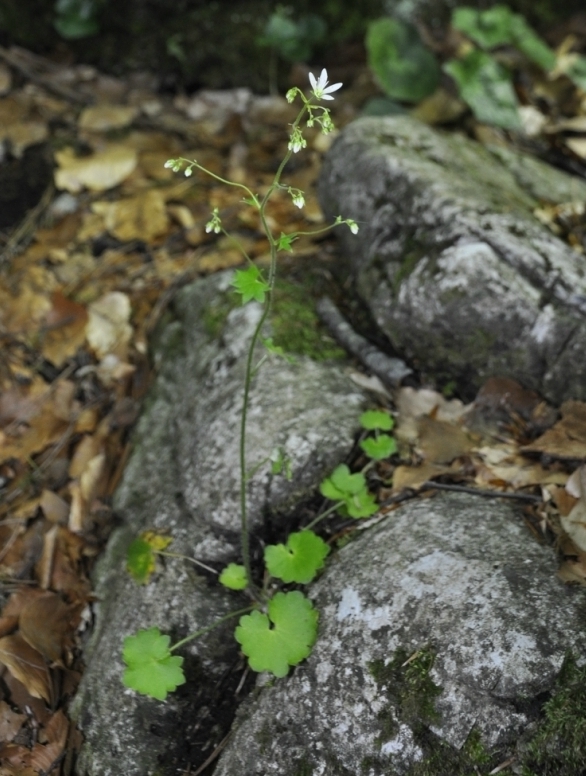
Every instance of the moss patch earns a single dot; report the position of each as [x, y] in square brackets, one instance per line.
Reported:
[411, 691]
[412, 694]
[558, 748]
[216, 312]
[296, 327]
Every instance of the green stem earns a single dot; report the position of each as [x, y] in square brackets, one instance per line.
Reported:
[245, 542]
[320, 517]
[186, 557]
[218, 177]
[209, 628]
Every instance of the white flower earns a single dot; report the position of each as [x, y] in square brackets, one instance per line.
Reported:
[353, 226]
[298, 199]
[297, 141]
[320, 88]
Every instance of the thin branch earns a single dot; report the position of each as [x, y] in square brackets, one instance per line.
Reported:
[390, 370]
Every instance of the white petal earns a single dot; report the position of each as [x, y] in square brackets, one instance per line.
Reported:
[312, 81]
[332, 88]
[326, 97]
[323, 79]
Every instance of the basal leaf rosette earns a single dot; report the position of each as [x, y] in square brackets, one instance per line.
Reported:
[350, 489]
[152, 669]
[281, 638]
[299, 560]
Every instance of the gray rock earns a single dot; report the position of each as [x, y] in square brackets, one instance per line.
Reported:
[182, 478]
[456, 269]
[454, 582]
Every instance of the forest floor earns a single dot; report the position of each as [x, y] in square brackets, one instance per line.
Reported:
[100, 236]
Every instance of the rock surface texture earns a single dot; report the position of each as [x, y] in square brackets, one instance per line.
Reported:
[454, 586]
[454, 265]
[183, 479]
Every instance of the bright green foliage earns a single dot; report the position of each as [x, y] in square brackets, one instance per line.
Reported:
[280, 461]
[361, 504]
[403, 67]
[294, 41]
[351, 489]
[486, 86]
[287, 642]
[375, 419]
[152, 669]
[277, 350]
[141, 558]
[299, 560]
[76, 18]
[498, 26]
[342, 483]
[380, 447]
[234, 577]
[285, 242]
[250, 284]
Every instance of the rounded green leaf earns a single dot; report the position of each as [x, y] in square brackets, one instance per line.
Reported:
[234, 577]
[140, 560]
[152, 669]
[287, 642]
[380, 447]
[361, 504]
[343, 480]
[299, 560]
[404, 68]
[487, 88]
[376, 419]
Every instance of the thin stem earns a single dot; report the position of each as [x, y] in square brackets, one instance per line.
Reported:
[238, 245]
[187, 557]
[320, 517]
[243, 475]
[219, 177]
[209, 628]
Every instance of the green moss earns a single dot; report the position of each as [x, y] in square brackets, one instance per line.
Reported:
[296, 327]
[412, 694]
[558, 748]
[445, 760]
[264, 737]
[215, 314]
[303, 768]
[411, 691]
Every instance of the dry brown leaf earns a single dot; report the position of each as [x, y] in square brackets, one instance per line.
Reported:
[441, 442]
[415, 476]
[567, 439]
[99, 172]
[54, 507]
[23, 134]
[27, 666]
[10, 722]
[65, 326]
[108, 329]
[574, 524]
[87, 449]
[143, 217]
[577, 145]
[53, 740]
[46, 623]
[104, 117]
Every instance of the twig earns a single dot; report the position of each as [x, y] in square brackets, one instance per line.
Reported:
[390, 370]
[17, 57]
[25, 231]
[213, 755]
[482, 492]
